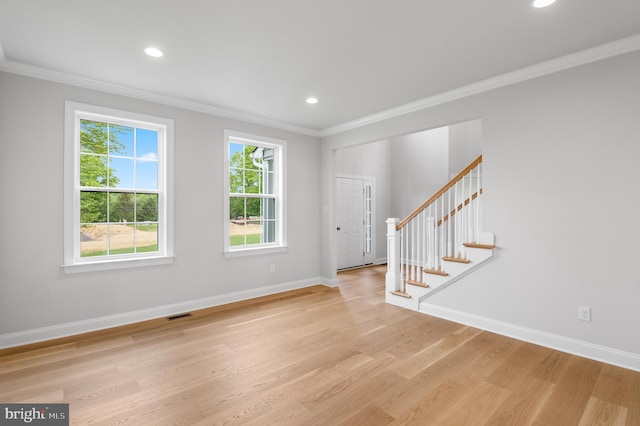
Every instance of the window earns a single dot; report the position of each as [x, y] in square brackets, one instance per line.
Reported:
[254, 193]
[118, 210]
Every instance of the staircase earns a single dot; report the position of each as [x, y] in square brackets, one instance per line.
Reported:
[439, 242]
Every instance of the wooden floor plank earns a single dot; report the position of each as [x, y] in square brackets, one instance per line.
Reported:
[524, 404]
[599, 412]
[325, 356]
[474, 408]
[571, 393]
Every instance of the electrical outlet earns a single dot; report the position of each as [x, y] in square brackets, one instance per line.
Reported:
[272, 268]
[584, 313]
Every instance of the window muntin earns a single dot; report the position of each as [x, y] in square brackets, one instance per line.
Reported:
[117, 174]
[254, 192]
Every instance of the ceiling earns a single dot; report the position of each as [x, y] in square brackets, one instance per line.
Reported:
[264, 58]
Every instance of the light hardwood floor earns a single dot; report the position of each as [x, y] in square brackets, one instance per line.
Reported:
[316, 356]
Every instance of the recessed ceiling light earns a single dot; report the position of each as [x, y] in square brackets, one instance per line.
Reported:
[155, 52]
[312, 101]
[543, 3]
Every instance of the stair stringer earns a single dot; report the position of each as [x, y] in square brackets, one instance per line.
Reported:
[478, 257]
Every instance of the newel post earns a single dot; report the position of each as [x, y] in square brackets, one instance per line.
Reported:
[393, 278]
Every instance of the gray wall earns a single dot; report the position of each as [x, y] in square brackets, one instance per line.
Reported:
[372, 160]
[35, 292]
[420, 167]
[465, 145]
[560, 152]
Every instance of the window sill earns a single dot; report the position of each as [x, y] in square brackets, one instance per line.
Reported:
[111, 264]
[255, 251]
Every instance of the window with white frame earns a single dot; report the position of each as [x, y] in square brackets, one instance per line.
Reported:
[118, 180]
[254, 193]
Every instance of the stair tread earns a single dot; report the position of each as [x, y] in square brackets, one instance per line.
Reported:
[401, 294]
[417, 283]
[435, 272]
[456, 259]
[478, 245]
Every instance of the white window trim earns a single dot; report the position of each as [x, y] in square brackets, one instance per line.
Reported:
[281, 196]
[72, 261]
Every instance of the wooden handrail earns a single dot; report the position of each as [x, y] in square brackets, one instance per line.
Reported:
[437, 195]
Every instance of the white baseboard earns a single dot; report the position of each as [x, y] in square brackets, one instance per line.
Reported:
[380, 261]
[330, 282]
[593, 351]
[94, 324]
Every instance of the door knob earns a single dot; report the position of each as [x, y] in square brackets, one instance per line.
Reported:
[338, 228]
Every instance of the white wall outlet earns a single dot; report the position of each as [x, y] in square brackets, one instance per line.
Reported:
[272, 268]
[584, 313]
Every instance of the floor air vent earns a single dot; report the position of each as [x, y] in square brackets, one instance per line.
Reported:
[178, 316]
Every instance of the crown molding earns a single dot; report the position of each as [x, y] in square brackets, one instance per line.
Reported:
[87, 83]
[604, 51]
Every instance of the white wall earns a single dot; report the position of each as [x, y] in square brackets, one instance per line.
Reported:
[372, 160]
[560, 152]
[465, 145]
[35, 292]
[420, 167]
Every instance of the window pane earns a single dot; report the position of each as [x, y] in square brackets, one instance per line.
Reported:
[146, 237]
[146, 208]
[121, 238]
[253, 231]
[269, 208]
[269, 231]
[146, 174]
[236, 179]
[121, 140]
[146, 144]
[93, 207]
[237, 231]
[121, 173]
[236, 208]
[121, 207]
[93, 240]
[268, 187]
[252, 157]
[93, 170]
[253, 181]
[93, 137]
[254, 210]
[236, 159]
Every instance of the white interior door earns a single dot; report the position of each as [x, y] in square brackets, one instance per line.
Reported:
[350, 213]
[354, 222]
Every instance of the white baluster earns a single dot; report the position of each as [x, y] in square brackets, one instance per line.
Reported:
[406, 254]
[456, 228]
[478, 187]
[423, 248]
[402, 254]
[449, 227]
[414, 240]
[431, 230]
[469, 223]
[418, 248]
[434, 254]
